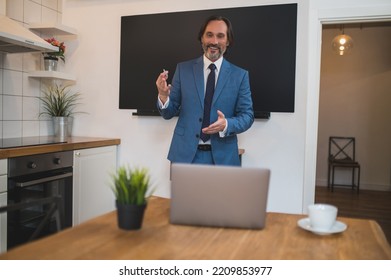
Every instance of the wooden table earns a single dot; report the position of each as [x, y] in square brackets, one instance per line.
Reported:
[100, 238]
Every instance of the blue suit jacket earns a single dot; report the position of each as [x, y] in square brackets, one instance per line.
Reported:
[232, 97]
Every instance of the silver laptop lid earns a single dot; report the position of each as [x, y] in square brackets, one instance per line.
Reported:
[219, 196]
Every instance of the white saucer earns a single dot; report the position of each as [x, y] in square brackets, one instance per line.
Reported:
[336, 228]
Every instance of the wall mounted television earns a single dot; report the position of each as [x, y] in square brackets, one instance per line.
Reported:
[265, 45]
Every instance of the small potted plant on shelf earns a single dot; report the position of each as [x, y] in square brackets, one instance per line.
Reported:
[59, 102]
[131, 188]
[51, 58]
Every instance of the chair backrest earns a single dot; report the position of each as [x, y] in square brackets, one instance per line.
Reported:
[342, 149]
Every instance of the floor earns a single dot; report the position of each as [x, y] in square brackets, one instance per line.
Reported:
[367, 204]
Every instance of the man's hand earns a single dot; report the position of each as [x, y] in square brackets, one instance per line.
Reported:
[217, 126]
[162, 87]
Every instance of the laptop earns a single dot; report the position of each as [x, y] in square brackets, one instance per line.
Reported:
[219, 196]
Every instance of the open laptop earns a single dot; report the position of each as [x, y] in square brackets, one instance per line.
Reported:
[219, 196]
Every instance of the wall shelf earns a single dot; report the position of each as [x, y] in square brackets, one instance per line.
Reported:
[57, 29]
[52, 75]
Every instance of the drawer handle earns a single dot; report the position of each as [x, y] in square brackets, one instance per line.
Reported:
[43, 180]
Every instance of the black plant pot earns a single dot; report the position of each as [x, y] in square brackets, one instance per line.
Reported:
[130, 217]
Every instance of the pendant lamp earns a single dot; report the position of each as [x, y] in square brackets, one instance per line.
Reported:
[342, 44]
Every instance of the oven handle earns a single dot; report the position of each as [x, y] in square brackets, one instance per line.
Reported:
[43, 180]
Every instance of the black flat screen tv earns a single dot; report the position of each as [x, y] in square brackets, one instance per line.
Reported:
[265, 45]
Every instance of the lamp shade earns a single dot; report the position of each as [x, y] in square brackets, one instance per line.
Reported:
[342, 44]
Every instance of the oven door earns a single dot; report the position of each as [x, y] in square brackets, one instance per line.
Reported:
[3, 202]
[22, 223]
[3, 223]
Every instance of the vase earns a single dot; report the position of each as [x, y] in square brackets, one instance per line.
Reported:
[50, 63]
[130, 216]
[62, 127]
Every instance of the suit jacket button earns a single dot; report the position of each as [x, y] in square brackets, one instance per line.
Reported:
[197, 136]
[200, 119]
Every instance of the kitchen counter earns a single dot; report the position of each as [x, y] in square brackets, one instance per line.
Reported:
[72, 143]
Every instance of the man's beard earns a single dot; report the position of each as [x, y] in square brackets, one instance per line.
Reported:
[213, 56]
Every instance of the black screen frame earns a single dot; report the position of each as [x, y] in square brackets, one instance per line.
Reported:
[265, 45]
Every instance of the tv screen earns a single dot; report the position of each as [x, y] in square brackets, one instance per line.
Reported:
[264, 44]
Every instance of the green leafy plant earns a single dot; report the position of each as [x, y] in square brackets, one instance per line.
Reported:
[59, 101]
[131, 186]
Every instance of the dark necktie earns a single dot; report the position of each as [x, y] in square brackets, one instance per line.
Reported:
[210, 89]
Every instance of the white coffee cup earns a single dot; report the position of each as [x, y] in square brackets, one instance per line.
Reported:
[322, 216]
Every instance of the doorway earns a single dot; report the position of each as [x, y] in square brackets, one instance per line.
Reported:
[354, 100]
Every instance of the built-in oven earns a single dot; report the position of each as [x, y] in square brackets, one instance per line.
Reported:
[32, 178]
[3, 202]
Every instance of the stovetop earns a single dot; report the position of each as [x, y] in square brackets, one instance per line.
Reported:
[28, 141]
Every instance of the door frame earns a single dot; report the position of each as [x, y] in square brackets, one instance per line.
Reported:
[318, 17]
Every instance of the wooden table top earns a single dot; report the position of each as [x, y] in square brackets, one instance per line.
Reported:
[101, 239]
[72, 143]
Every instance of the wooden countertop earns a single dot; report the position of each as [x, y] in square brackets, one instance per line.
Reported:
[281, 239]
[72, 143]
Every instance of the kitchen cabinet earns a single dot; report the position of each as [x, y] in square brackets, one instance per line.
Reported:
[92, 194]
[3, 202]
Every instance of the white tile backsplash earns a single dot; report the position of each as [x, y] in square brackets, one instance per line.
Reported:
[30, 128]
[32, 12]
[48, 15]
[46, 127]
[14, 9]
[12, 129]
[19, 103]
[32, 61]
[52, 4]
[1, 107]
[30, 109]
[12, 108]
[59, 17]
[13, 61]
[1, 81]
[59, 6]
[31, 86]
[12, 82]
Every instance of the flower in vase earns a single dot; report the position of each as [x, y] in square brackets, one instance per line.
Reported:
[61, 49]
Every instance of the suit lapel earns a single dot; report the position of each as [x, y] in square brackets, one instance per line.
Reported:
[198, 71]
[222, 79]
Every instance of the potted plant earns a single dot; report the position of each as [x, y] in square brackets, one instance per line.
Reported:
[131, 188]
[59, 102]
[51, 58]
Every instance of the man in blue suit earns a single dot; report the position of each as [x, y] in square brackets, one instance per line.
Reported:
[197, 139]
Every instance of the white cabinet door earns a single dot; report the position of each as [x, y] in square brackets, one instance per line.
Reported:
[92, 194]
[3, 224]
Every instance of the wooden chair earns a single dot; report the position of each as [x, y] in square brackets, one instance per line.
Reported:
[342, 155]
